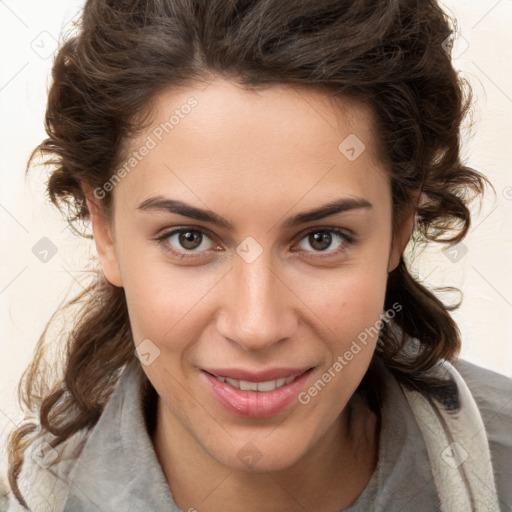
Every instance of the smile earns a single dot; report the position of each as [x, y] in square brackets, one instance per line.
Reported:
[256, 399]
[268, 385]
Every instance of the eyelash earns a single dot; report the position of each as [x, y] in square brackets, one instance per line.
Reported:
[347, 241]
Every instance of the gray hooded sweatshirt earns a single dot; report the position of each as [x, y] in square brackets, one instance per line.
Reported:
[114, 468]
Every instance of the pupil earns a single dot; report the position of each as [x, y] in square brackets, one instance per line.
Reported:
[188, 239]
[321, 240]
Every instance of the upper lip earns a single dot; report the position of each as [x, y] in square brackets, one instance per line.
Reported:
[260, 376]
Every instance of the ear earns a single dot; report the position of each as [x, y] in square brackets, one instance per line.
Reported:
[403, 233]
[103, 238]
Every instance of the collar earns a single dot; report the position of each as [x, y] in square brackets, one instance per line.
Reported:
[118, 465]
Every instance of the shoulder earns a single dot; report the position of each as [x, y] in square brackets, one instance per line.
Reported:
[492, 392]
[46, 473]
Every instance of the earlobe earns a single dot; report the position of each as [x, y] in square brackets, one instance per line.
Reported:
[400, 241]
[403, 234]
[104, 240]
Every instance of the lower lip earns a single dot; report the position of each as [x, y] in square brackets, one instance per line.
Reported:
[256, 404]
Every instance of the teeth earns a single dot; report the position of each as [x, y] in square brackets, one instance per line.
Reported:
[233, 382]
[269, 385]
[248, 386]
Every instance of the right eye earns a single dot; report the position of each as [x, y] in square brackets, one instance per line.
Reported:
[185, 242]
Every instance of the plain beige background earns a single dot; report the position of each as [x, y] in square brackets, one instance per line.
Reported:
[31, 289]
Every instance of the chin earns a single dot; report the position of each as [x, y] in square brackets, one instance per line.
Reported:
[260, 456]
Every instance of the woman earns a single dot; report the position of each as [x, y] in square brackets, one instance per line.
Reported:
[253, 172]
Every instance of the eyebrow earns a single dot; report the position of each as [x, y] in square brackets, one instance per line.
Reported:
[160, 203]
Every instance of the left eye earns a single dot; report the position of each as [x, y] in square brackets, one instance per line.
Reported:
[321, 239]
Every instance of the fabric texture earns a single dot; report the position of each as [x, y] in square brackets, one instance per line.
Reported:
[458, 450]
[423, 454]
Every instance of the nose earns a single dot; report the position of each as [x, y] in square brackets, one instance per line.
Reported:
[257, 307]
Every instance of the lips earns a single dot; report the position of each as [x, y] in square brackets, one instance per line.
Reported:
[259, 376]
[257, 403]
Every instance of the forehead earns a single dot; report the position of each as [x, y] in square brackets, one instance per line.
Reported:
[221, 137]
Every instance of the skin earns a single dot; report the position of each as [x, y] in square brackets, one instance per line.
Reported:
[256, 158]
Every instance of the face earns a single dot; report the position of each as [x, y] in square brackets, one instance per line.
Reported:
[225, 265]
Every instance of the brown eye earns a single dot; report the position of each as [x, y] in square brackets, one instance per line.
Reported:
[190, 239]
[325, 242]
[187, 242]
[320, 240]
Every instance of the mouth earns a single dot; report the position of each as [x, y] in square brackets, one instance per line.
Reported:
[256, 398]
[255, 385]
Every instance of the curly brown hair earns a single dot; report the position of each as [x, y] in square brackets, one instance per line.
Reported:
[392, 55]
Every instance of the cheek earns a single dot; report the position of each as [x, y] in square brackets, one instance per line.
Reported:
[345, 300]
[164, 302]
[364, 295]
